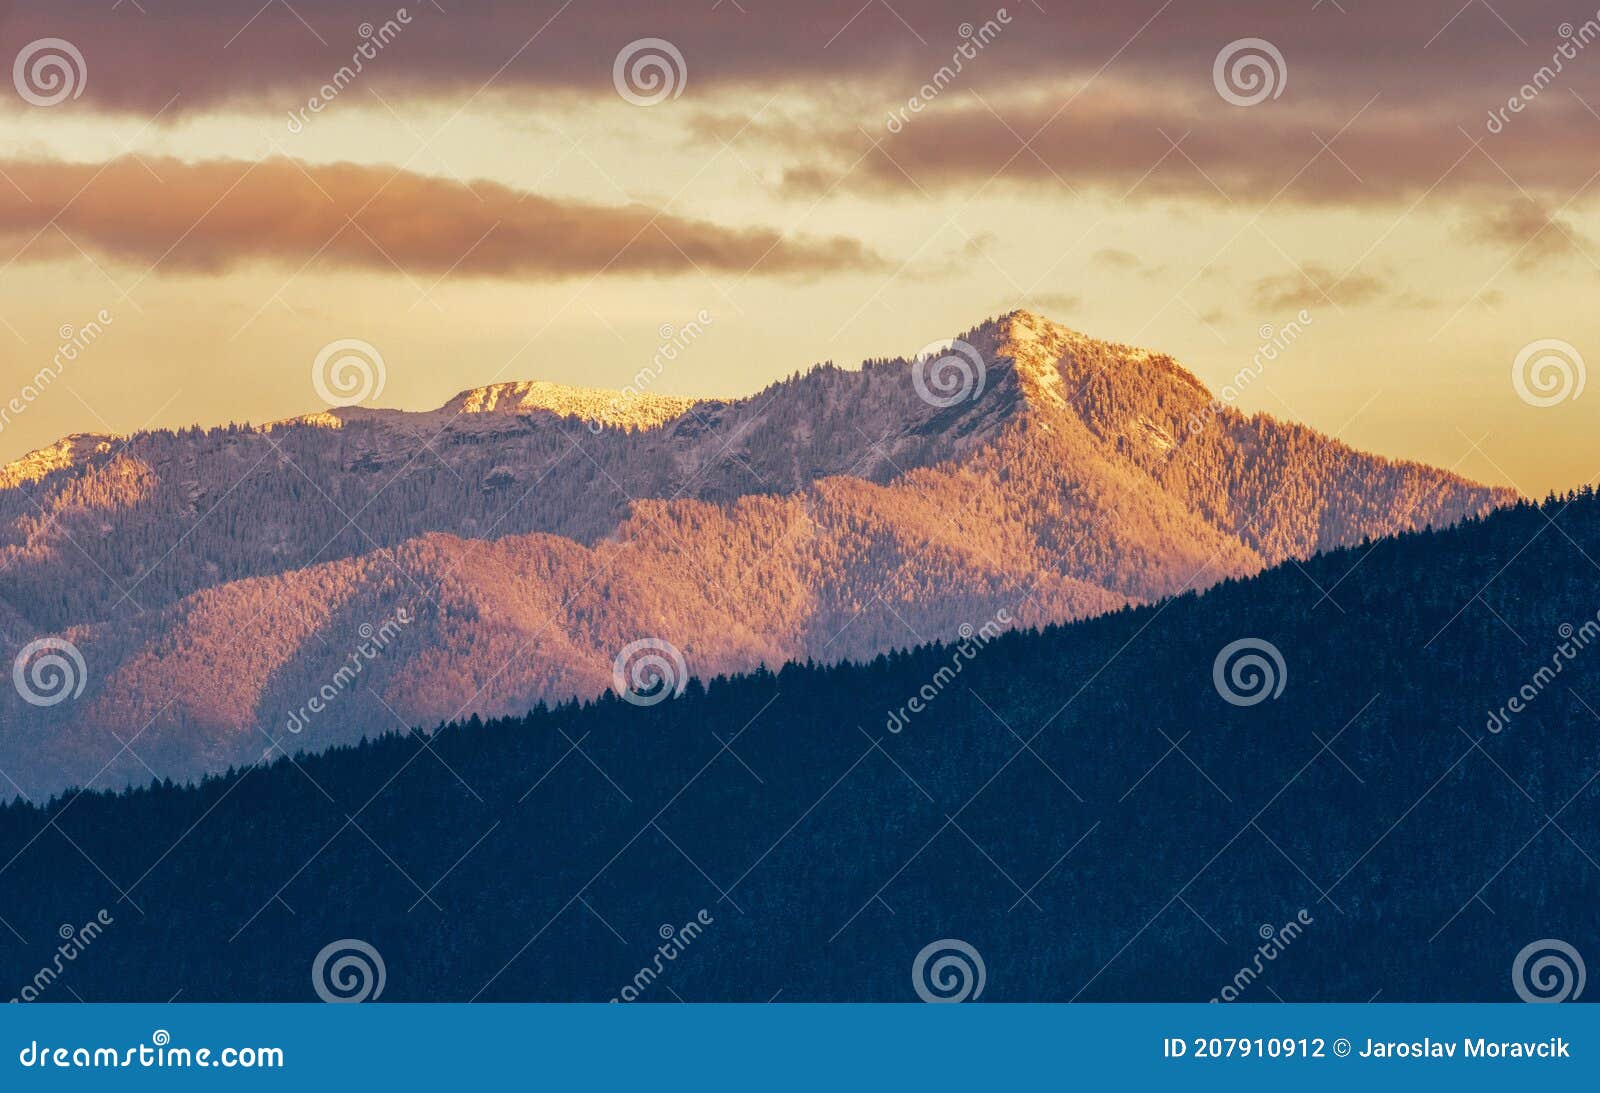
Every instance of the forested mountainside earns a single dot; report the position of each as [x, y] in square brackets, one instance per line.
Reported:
[215, 581]
[1105, 810]
[162, 514]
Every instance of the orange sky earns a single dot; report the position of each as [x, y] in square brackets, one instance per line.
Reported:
[497, 195]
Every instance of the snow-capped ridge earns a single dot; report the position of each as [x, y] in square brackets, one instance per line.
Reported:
[1037, 351]
[624, 409]
[63, 453]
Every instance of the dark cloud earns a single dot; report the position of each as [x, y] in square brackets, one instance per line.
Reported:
[209, 51]
[1114, 97]
[1137, 145]
[175, 215]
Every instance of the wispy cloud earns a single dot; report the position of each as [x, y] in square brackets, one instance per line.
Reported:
[1315, 285]
[173, 215]
[1117, 260]
[1530, 235]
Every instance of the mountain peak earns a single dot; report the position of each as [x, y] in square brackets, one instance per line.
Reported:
[1023, 324]
[1034, 339]
[1057, 368]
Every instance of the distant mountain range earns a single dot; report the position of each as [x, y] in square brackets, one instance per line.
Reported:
[503, 550]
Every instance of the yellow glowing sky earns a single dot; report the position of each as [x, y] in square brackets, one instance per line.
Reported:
[1409, 353]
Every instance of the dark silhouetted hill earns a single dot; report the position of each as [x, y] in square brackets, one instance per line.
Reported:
[1081, 805]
